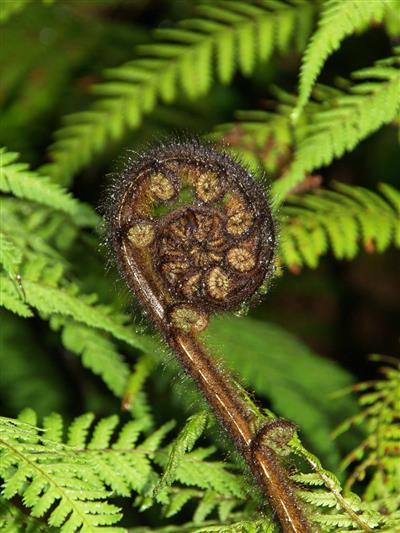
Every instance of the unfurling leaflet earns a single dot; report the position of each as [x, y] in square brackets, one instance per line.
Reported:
[193, 234]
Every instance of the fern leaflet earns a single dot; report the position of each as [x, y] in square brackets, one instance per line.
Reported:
[339, 220]
[42, 470]
[377, 457]
[45, 474]
[344, 120]
[338, 20]
[17, 179]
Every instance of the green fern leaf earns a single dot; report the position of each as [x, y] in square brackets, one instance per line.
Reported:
[344, 120]
[180, 60]
[340, 220]
[10, 8]
[330, 507]
[379, 452]
[51, 300]
[183, 444]
[288, 374]
[10, 256]
[17, 179]
[48, 475]
[29, 376]
[338, 20]
[10, 298]
[98, 353]
[102, 456]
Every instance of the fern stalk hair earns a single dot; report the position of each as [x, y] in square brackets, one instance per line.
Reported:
[193, 234]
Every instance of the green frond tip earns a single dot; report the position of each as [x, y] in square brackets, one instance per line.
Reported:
[339, 19]
[342, 221]
[186, 60]
[329, 506]
[342, 119]
[183, 444]
[377, 457]
[18, 180]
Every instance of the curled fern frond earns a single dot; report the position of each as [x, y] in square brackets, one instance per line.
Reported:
[181, 60]
[338, 20]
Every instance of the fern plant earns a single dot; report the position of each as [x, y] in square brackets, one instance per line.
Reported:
[305, 95]
[377, 456]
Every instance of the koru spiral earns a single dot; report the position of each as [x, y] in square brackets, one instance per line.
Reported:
[198, 223]
[193, 234]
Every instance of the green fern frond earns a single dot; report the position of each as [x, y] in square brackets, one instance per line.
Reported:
[220, 488]
[288, 374]
[40, 468]
[344, 120]
[183, 444]
[11, 299]
[212, 526]
[10, 8]
[339, 220]
[40, 290]
[335, 122]
[377, 458]
[262, 139]
[98, 354]
[82, 321]
[29, 376]
[10, 255]
[143, 368]
[329, 508]
[181, 61]
[47, 475]
[35, 267]
[338, 20]
[14, 520]
[17, 179]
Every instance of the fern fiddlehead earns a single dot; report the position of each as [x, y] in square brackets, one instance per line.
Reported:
[193, 234]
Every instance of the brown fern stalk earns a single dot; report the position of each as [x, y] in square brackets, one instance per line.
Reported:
[193, 234]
